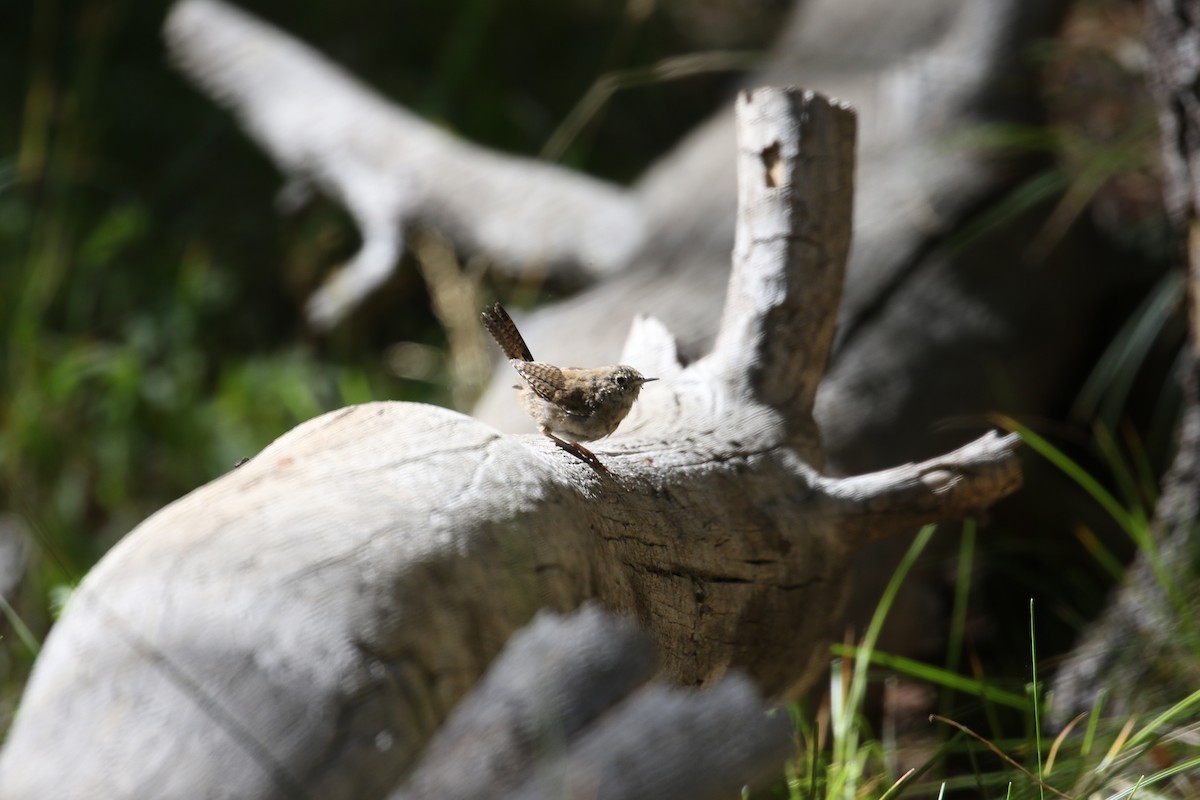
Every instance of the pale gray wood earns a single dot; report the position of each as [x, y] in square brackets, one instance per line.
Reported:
[390, 168]
[778, 325]
[302, 625]
[667, 744]
[568, 704]
[548, 686]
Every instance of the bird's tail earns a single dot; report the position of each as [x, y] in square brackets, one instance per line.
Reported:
[504, 331]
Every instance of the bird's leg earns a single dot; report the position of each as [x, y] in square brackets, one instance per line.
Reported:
[579, 451]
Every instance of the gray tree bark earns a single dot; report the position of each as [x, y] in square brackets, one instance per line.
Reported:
[304, 624]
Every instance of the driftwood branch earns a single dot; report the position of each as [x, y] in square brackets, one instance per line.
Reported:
[310, 619]
[391, 169]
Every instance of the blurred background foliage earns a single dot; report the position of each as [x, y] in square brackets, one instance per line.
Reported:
[150, 293]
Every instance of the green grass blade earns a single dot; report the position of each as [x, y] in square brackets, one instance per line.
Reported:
[894, 790]
[958, 614]
[1158, 777]
[1089, 736]
[1107, 388]
[1150, 731]
[1146, 477]
[1134, 524]
[846, 732]
[1119, 467]
[1101, 554]
[1136, 786]
[1075, 472]
[938, 676]
[23, 633]
[668, 69]
[1037, 713]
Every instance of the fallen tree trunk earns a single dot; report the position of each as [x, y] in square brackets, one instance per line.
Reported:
[303, 625]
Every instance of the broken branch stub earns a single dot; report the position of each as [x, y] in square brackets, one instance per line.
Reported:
[309, 619]
[795, 207]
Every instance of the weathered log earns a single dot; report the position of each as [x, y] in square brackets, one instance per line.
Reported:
[305, 623]
[935, 325]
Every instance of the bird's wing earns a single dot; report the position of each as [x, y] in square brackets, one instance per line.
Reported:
[548, 383]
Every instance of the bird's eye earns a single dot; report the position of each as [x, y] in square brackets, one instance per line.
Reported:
[622, 380]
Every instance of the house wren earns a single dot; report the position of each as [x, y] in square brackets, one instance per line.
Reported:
[579, 405]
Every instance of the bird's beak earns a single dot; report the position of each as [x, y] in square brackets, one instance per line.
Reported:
[647, 380]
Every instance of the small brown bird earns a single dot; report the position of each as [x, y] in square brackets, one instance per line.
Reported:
[579, 405]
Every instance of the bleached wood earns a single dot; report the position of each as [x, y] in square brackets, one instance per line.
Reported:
[304, 623]
[790, 249]
[390, 168]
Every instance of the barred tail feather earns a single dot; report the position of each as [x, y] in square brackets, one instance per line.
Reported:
[504, 331]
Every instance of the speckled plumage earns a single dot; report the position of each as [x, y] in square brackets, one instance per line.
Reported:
[580, 405]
